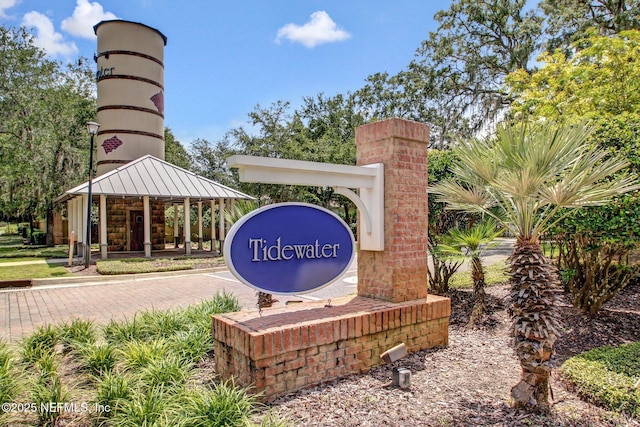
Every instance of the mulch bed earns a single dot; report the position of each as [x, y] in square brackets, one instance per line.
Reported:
[468, 383]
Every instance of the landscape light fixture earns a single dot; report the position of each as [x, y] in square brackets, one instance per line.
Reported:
[92, 128]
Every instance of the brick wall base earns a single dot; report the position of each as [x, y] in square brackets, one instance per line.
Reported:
[289, 348]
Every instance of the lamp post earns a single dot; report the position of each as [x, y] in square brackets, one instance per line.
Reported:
[92, 128]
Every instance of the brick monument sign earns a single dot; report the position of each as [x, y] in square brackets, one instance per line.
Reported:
[288, 348]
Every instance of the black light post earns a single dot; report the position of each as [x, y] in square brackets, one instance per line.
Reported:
[92, 127]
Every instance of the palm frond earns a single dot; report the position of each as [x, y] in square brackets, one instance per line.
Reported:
[524, 175]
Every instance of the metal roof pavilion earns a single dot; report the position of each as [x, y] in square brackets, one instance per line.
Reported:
[146, 178]
[150, 176]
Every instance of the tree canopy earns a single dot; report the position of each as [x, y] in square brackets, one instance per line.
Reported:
[174, 151]
[602, 78]
[43, 112]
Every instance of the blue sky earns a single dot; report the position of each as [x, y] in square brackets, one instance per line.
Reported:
[224, 57]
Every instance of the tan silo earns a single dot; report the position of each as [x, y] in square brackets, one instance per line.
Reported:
[130, 80]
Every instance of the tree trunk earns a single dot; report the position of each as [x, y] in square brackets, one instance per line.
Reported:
[479, 293]
[534, 290]
[31, 238]
[49, 241]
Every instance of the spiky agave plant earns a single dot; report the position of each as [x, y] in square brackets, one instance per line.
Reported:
[522, 177]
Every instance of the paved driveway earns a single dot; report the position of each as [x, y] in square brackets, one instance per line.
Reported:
[23, 310]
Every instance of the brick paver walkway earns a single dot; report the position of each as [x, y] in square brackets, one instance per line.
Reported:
[23, 310]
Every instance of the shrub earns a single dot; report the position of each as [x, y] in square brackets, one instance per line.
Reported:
[111, 267]
[606, 376]
[39, 238]
[594, 269]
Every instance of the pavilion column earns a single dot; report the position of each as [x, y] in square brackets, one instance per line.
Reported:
[213, 225]
[200, 226]
[221, 231]
[83, 208]
[187, 226]
[176, 228]
[70, 223]
[77, 202]
[103, 226]
[147, 226]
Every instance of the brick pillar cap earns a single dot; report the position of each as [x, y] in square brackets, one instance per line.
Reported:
[390, 128]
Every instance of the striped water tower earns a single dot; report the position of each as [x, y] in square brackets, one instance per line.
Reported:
[130, 80]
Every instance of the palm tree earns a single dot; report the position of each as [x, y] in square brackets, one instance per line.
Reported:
[238, 209]
[471, 244]
[522, 178]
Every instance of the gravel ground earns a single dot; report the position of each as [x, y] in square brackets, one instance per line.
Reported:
[468, 383]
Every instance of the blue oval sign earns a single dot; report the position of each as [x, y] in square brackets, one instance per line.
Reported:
[289, 248]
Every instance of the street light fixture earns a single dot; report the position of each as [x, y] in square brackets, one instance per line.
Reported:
[92, 128]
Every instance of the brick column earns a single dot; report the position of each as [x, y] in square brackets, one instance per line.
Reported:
[399, 273]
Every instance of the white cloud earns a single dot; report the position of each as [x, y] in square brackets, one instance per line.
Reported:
[84, 17]
[319, 30]
[6, 4]
[45, 36]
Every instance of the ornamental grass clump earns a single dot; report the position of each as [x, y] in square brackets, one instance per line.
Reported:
[39, 343]
[222, 405]
[49, 395]
[11, 379]
[192, 345]
[135, 355]
[120, 332]
[169, 371]
[112, 391]
[162, 324]
[77, 331]
[97, 358]
[152, 406]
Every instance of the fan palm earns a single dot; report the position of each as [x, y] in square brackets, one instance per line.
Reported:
[471, 244]
[522, 178]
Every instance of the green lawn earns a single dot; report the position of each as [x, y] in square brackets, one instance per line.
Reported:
[12, 250]
[493, 275]
[23, 259]
[32, 271]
